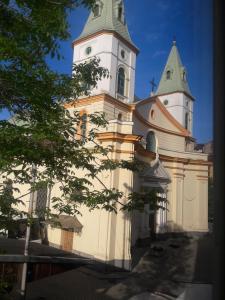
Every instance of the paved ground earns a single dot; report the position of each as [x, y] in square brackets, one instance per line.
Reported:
[203, 267]
[177, 267]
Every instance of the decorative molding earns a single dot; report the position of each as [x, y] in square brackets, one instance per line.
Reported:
[110, 32]
[142, 151]
[202, 177]
[171, 118]
[148, 124]
[179, 174]
[183, 92]
[97, 98]
[120, 137]
[123, 151]
[184, 169]
[184, 160]
[183, 131]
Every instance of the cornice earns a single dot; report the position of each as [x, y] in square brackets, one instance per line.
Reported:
[97, 98]
[188, 95]
[110, 32]
[118, 137]
[184, 160]
[147, 123]
[143, 152]
[183, 131]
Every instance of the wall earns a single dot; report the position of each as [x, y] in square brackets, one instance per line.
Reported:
[165, 140]
[108, 49]
[188, 197]
[178, 105]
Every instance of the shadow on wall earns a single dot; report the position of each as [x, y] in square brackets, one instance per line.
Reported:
[204, 260]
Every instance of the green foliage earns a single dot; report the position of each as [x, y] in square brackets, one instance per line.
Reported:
[150, 197]
[41, 131]
[3, 288]
[8, 204]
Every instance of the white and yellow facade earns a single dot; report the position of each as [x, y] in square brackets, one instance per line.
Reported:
[180, 173]
[173, 166]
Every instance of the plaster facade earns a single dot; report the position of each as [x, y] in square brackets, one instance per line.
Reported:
[180, 175]
[109, 49]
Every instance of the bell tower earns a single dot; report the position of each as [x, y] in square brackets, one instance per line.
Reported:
[106, 36]
[174, 92]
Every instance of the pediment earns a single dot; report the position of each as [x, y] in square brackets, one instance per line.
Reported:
[153, 111]
[156, 173]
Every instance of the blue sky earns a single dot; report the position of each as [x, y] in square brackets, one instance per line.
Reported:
[152, 26]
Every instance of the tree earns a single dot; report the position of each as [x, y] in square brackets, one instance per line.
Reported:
[41, 132]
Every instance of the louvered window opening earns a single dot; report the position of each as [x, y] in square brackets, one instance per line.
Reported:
[121, 82]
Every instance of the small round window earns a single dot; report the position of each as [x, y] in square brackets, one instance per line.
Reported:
[165, 102]
[88, 50]
[123, 54]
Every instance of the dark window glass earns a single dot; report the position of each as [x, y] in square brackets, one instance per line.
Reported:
[88, 50]
[96, 10]
[120, 13]
[151, 142]
[165, 102]
[168, 74]
[41, 202]
[186, 120]
[121, 82]
[120, 117]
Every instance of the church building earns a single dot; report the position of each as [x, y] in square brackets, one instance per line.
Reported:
[157, 130]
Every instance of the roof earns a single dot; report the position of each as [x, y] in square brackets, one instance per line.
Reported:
[12, 250]
[157, 172]
[108, 20]
[178, 75]
[66, 222]
[144, 116]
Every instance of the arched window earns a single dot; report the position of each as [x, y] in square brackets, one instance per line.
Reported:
[151, 142]
[96, 10]
[41, 202]
[121, 82]
[186, 120]
[120, 116]
[168, 74]
[120, 13]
